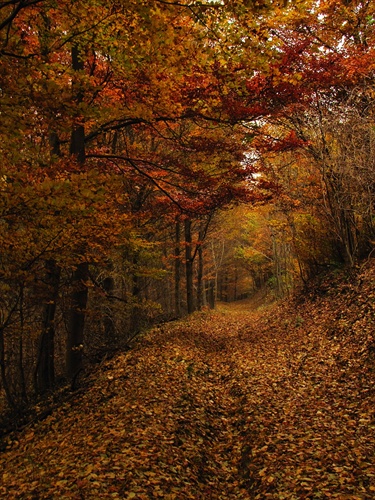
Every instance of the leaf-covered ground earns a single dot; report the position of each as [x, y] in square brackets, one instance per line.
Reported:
[276, 403]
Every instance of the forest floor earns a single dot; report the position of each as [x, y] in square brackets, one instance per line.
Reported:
[274, 402]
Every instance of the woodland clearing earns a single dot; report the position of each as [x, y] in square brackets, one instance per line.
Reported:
[275, 402]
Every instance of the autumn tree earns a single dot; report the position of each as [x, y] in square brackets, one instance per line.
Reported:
[313, 96]
[89, 99]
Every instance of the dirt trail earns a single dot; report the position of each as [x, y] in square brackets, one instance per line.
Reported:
[221, 406]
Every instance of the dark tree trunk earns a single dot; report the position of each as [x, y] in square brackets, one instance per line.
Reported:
[136, 319]
[211, 294]
[76, 315]
[45, 369]
[235, 283]
[189, 268]
[76, 321]
[200, 273]
[4, 378]
[109, 327]
[177, 271]
[10, 396]
[44, 375]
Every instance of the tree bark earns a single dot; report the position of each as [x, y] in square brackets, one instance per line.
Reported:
[45, 369]
[44, 375]
[108, 320]
[200, 273]
[177, 271]
[76, 321]
[135, 317]
[211, 294]
[189, 267]
[77, 312]
[4, 378]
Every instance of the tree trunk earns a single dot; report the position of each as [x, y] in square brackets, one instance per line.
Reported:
[76, 321]
[45, 368]
[4, 378]
[177, 271]
[211, 294]
[135, 318]
[200, 273]
[108, 320]
[10, 396]
[189, 268]
[189, 258]
[76, 315]
[235, 283]
[44, 375]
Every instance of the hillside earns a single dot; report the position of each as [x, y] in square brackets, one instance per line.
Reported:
[272, 403]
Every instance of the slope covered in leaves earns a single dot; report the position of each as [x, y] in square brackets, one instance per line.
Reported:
[276, 403]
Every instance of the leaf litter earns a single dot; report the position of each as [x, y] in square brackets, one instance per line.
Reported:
[273, 403]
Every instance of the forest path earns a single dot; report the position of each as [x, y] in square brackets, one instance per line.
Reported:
[224, 405]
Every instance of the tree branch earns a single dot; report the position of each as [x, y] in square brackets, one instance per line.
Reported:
[18, 6]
